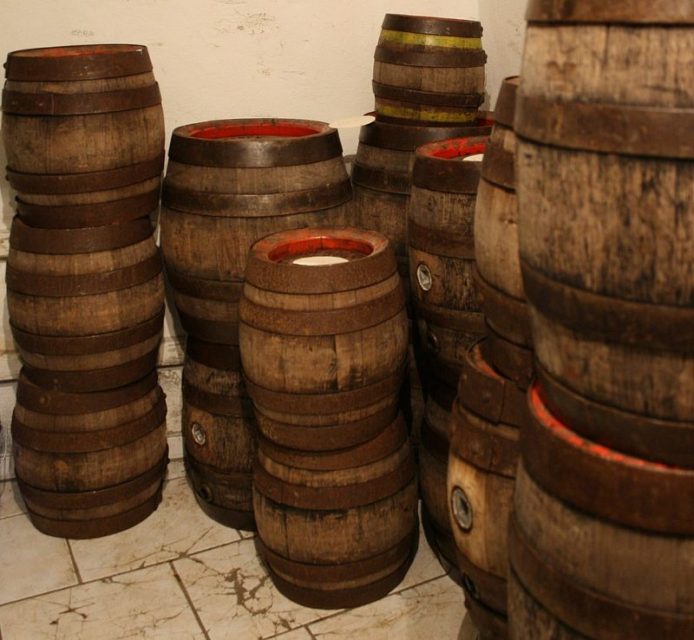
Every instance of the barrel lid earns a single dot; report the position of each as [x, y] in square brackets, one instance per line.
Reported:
[622, 12]
[506, 101]
[254, 142]
[439, 166]
[77, 62]
[432, 25]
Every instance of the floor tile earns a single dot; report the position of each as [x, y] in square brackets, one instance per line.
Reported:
[31, 562]
[177, 528]
[298, 634]
[235, 598]
[175, 469]
[11, 502]
[146, 604]
[432, 610]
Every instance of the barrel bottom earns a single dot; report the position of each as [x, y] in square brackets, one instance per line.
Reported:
[442, 544]
[344, 585]
[490, 623]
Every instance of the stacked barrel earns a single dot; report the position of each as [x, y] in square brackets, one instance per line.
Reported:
[446, 304]
[83, 131]
[490, 408]
[602, 534]
[229, 183]
[324, 347]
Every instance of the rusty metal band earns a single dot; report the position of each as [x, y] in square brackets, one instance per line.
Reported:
[82, 285]
[404, 120]
[432, 26]
[84, 345]
[464, 321]
[642, 436]
[326, 403]
[488, 622]
[511, 360]
[505, 107]
[407, 137]
[96, 66]
[88, 215]
[590, 613]
[59, 403]
[64, 104]
[381, 179]
[217, 403]
[262, 205]
[215, 356]
[481, 586]
[483, 449]
[434, 442]
[77, 241]
[449, 176]
[323, 323]
[228, 516]
[330, 437]
[440, 242]
[93, 379]
[609, 484]
[648, 12]
[498, 166]
[508, 315]
[333, 498]
[254, 152]
[620, 129]
[60, 184]
[205, 473]
[610, 319]
[224, 332]
[220, 290]
[404, 94]
[385, 443]
[291, 278]
[88, 441]
[488, 395]
[414, 56]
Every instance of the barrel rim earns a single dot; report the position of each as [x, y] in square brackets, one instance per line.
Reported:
[437, 166]
[432, 25]
[598, 12]
[505, 105]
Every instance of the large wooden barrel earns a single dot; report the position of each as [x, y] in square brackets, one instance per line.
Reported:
[601, 542]
[506, 314]
[218, 432]
[83, 130]
[429, 70]
[487, 416]
[86, 305]
[229, 183]
[606, 214]
[90, 464]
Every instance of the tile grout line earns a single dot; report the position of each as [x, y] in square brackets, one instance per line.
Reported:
[189, 600]
[74, 562]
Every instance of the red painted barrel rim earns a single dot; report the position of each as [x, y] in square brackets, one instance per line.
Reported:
[454, 148]
[71, 51]
[228, 131]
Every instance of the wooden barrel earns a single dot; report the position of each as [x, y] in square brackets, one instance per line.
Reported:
[506, 314]
[600, 542]
[218, 432]
[83, 130]
[90, 464]
[446, 301]
[229, 183]
[86, 305]
[605, 235]
[488, 413]
[429, 70]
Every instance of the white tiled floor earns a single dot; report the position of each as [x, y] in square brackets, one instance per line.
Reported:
[180, 575]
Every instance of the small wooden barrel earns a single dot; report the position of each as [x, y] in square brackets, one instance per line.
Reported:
[229, 183]
[487, 416]
[506, 313]
[219, 433]
[446, 302]
[90, 464]
[429, 70]
[588, 523]
[83, 130]
[605, 229]
[86, 305]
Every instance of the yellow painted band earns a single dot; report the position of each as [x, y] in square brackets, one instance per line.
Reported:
[427, 40]
[429, 116]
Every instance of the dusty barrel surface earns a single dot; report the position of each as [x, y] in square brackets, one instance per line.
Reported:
[92, 464]
[86, 305]
[506, 313]
[487, 417]
[613, 312]
[229, 183]
[429, 70]
[83, 131]
[323, 340]
[218, 432]
[624, 511]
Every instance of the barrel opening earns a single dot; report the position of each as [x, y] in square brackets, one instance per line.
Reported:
[456, 148]
[340, 249]
[255, 130]
[77, 50]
